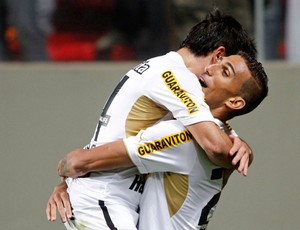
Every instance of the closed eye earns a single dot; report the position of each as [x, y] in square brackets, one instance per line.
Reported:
[230, 66]
[226, 71]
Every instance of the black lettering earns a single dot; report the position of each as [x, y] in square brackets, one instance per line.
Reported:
[164, 144]
[172, 86]
[182, 137]
[153, 147]
[189, 134]
[158, 145]
[169, 141]
[138, 184]
[167, 74]
[176, 137]
[140, 69]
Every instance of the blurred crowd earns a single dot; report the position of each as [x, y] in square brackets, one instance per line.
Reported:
[121, 30]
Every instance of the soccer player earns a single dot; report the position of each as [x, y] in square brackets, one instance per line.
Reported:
[158, 89]
[184, 185]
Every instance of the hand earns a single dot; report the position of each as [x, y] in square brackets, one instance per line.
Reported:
[241, 155]
[69, 165]
[59, 200]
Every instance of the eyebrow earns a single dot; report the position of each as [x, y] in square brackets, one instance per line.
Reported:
[231, 66]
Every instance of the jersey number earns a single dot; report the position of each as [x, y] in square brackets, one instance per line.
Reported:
[207, 211]
[103, 116]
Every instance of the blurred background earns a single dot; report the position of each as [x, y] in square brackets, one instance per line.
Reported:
[61, 59]
[120, 30]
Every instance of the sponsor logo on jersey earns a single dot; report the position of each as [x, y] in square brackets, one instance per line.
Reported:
[141, 68]
[104, 119]
[174, 86]
[164, 143]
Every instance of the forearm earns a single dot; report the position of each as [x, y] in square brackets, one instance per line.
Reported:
[214, 142]
[105, 157]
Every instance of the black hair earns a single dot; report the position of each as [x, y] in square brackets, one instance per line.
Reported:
[218, 29]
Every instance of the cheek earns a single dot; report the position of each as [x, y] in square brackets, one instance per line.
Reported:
[219, 95]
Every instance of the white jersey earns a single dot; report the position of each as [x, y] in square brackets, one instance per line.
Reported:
[184, 186]
[157, 89]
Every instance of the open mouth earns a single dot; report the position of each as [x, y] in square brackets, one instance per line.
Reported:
[202, 82]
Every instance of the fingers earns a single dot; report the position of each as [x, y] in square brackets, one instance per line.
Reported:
[60, 205]
[241, 154]
[237, 143]
[243, 165]
[59, 201]
[51, 210]
[66, 208]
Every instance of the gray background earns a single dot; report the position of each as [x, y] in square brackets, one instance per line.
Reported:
[49, 109]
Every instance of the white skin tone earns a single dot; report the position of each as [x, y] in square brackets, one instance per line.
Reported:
[220, 78]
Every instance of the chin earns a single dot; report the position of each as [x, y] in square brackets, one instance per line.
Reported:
[205, 91]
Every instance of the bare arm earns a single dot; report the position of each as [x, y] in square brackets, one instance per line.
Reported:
[114, 155]
[77, 163]
[226, 152]
[214, 142]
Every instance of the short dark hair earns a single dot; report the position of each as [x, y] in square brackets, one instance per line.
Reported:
[218, 29]
[255, 89]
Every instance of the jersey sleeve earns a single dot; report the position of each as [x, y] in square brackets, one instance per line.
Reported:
[226, 127]
[181, 93]
[167, 146]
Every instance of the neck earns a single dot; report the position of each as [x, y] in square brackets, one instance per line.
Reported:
[220, 114]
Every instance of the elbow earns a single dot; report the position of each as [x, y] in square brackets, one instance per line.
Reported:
[217, 149]
[219, 155]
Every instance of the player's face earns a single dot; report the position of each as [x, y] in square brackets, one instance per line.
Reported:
[223, 79]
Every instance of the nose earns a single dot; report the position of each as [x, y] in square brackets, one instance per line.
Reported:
[211, 69]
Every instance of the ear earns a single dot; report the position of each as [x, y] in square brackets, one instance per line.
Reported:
[235, 103]
[219, 52]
